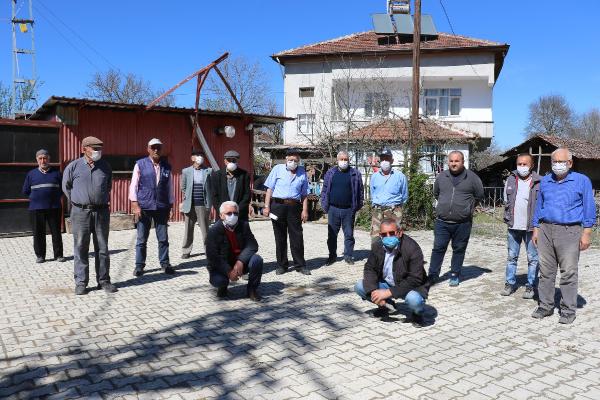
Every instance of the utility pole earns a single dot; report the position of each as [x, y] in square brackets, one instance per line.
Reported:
[24, 84]
[414, 117]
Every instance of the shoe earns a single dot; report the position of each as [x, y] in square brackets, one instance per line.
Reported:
[185, 256]
[416, 319]
[528, 294]
[40, 260]
[540, 313]
[349, 260]
[61, 259]
[138, 271]
[432, 280]
[566, 318]
[381, 312]
[222, 292]
[303, 270]
[254, 295]
[454, 281]
[508, 290]
[331, 260]
[168, 269]
[80, 290]
[280, 270]
[109, 287]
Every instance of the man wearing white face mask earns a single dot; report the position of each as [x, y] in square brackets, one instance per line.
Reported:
[87, 183]
[231, 183]
[231, 252]
[520, 195]
[389, 192]
[564, 215]
[341, 197]
[196, 206]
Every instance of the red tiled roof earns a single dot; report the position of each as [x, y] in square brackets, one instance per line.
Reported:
[368, 42]
[397, 129]
[579, 148]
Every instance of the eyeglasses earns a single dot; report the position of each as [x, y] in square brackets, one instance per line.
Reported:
[387, 234]
[230, 213]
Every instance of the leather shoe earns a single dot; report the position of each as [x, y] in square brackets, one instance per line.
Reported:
[61, 259]
[331, 260]
[138, 271]
[280, 270]
[108, 287]
[382, 311]
[222, 292]
[303, 270]
[167, 269]
[40, 260]
[349, 260]
[254, 295]
[80, 290]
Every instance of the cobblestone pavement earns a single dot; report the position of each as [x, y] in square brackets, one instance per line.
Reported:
[166, 336]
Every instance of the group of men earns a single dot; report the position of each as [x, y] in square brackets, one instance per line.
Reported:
[553, 215]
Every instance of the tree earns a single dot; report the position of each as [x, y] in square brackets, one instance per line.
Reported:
[482, 159]
[5, 101]
[118, 87]
[25, 99]
[588, 126]
[550, 115]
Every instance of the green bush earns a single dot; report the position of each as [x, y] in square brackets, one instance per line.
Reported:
[419, 211]
[363, 218]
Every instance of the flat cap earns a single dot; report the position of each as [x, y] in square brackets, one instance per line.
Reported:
[386, 152]
[232, 154]
[42, 152]
[292, 152]
[91, 141]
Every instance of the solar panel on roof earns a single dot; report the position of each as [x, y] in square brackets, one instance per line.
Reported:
[427, 26]
[404, 24]
[382, 24]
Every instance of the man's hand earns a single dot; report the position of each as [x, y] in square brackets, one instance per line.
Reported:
[266, 211]
[379, 296]
[586, 239]
[171, 212]
[213, 214]
[534, 237]
[239, 268]
[304, 215]
[232, 275]
[137, 211]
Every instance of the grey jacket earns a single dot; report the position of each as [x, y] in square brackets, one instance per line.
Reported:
[457, 203]
[510, 195]
[187, 187]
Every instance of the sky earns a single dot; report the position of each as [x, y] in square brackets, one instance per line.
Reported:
[554, 45]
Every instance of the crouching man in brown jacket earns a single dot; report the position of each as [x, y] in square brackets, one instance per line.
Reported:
[394, 270]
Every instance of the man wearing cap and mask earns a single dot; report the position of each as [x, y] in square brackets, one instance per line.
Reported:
[231, 183]
[520, 196]
[196, 206]
[42, 185]
[394, 270]
[286, 203]
[389, 192]
[151, 196]
[341, 197]
[564, 215]
[231, 252]
[87, 183]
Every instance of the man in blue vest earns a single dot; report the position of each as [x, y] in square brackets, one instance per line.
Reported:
[151, 196]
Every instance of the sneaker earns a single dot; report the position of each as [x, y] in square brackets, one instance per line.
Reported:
[222, 292]
[540, 313]
[508, 289]
[40, 260]
[61, 259]
[280, 270]
[454, 281]
[331, 260]
[168, 269]
[303, 270]
[566, 318]
[80, 290]
[109, 287]
[528, 294]
[349, 260]
[138, 271]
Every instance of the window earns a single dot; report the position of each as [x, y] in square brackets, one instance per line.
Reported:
[305, 123]
[432, 159]
[307, 92]
[442, 102]
[377, 105]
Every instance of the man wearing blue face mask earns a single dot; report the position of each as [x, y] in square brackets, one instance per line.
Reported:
[231, 252]
[563, 219]
[394, 270]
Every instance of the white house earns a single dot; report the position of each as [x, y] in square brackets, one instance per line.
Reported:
[357, 81]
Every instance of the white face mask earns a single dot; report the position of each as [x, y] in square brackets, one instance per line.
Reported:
[522, 171]
[198, 159]
[343, 165]
[385, 166]
[291, 165]
[231, 220]
[96, 155]
[231, 166]
[560, 168]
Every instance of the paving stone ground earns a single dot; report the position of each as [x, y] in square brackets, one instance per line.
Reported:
[166, 336]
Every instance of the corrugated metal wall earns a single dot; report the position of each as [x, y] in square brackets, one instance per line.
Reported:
[126, 132]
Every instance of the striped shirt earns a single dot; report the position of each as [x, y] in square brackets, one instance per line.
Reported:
[43, 189]
[198, 198]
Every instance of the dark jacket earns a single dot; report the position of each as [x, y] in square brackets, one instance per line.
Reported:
[356, 184]
[220, 194]
[510, 195]
[409, 273]
[218, 249]
[457, 203]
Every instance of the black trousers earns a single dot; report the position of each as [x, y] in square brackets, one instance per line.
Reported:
[38, 224]
[289, 222]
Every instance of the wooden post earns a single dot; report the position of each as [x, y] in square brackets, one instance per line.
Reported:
[414, 118]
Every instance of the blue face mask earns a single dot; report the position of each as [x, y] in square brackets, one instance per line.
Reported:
[390, 242]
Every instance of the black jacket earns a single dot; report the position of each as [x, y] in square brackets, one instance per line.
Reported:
[218, 249]
[220, 194]
[457, 203]
[409, 273]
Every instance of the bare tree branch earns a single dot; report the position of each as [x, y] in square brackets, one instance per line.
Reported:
[550, 115]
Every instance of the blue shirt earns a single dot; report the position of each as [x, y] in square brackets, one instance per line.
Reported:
[43, 189]
[389, 190]
[388, 267]
[568, 202]
[286, 185]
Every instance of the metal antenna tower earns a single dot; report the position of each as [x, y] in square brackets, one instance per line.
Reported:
[24, 87]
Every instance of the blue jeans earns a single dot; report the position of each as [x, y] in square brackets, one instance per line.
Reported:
[444, 232]
[160, 218]
[344, 218]
[515, 237]
[254, 269]
[413, 299]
